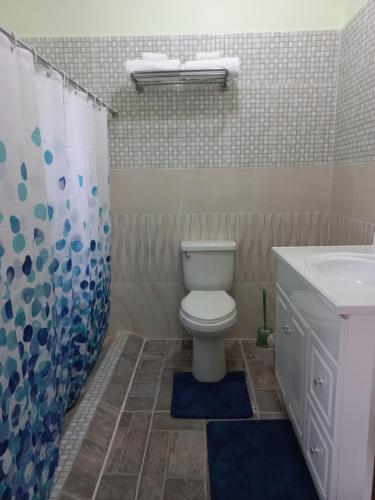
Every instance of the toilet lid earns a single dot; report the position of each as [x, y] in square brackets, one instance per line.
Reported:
[208, 305]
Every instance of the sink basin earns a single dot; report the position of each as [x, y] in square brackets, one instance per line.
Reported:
[353, 268]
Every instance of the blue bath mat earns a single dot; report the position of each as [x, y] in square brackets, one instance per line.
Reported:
[228, 398]
[257, 460]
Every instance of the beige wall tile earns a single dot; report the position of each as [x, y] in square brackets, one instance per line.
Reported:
[288, 189]
[146, 191]
[364, 206]
[130, 248]
[217, 189]
[217, 226]
[165, 233]
[248, 298]
[343, 188]
[165, 301]
[130, 307]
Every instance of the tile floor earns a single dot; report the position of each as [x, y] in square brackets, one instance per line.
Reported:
[133, 449]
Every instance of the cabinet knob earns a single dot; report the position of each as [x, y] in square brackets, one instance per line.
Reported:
[286, 329]
[318, 381]
[314, 450]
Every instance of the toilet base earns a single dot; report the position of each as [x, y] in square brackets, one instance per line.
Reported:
[209, 359]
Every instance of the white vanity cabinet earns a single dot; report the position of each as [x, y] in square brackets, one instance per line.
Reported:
[325, 368]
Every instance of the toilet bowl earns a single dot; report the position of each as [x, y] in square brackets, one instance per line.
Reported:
[207, 316]
[208, 312]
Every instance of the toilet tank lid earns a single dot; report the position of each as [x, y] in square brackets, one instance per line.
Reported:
[208, 245]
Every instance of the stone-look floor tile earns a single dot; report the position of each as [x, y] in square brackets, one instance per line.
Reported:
[65, 496]
[117, 487]
[269, 401]
[135, 443]
[152, 479]
[163, 402]
[148, 369]
[187, 455]
[116, 450]
[273, 416]
[80, 484]
[262, 374]
[235, 365]
[163, 421]
[253, 352]
[125, 419]
[102, 424]
[155, 348]
[124, 367]
[115, 391]
[185, 489]
[133, 346]
[180, 349]
[139, 403]
[178, 365]
[144, 389]
[233, 349]
[90, 457]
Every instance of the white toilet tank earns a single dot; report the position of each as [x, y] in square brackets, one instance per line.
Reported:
[208, 265]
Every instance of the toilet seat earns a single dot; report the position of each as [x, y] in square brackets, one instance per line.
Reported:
[208, 311]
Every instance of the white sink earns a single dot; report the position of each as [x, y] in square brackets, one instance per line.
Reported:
[354, 268]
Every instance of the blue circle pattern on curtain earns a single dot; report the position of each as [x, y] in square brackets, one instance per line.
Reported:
[55, 279]
[50, 383]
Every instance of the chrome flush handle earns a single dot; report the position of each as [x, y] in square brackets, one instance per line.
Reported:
[318, 381]
[314, 450]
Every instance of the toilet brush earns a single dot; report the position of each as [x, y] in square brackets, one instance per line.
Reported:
[264, 331]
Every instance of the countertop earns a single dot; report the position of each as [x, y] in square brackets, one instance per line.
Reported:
[347, 298]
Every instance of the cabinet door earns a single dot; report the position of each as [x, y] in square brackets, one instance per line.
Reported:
[296, 393]
[282, 343]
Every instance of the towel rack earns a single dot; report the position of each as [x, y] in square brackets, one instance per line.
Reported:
[142, 79]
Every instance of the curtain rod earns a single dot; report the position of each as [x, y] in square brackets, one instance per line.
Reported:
[38, 58]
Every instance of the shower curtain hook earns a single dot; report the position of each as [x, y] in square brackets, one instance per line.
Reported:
[14, 41]
[65, 78]
[33, 51]
[50, 68]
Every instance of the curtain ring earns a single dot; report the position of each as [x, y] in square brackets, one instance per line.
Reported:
[35, 59]
[65, 79]
[14, 41]
[50, 68]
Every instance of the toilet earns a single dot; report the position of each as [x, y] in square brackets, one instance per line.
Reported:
[207, 311]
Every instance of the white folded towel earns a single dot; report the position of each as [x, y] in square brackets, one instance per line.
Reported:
[144, 65]
[154, 56]
[207, 55]
[232, 64]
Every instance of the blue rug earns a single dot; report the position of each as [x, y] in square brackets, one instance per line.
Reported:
[228, 398]
[257, 460]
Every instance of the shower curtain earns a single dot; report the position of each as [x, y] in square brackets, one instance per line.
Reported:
[54, 262]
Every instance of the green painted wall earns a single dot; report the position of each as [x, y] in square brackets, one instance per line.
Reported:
[155, 17]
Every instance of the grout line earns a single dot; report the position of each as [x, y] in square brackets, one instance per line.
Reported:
[254, 403]
[117, 423]
[151, 421]
[165, 475]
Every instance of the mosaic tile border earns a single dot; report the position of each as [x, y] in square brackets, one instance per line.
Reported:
[73, 436]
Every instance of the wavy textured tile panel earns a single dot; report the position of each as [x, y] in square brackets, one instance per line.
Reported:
[305, 228]
[130, 248]
[165, 233]
[216, 226]
[341, 230]
[256, 234]
[363, 232]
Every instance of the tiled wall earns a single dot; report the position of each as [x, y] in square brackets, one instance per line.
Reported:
[280, 112]
[353, 180]
[166, 146]
[155, 211]
[355, 121]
